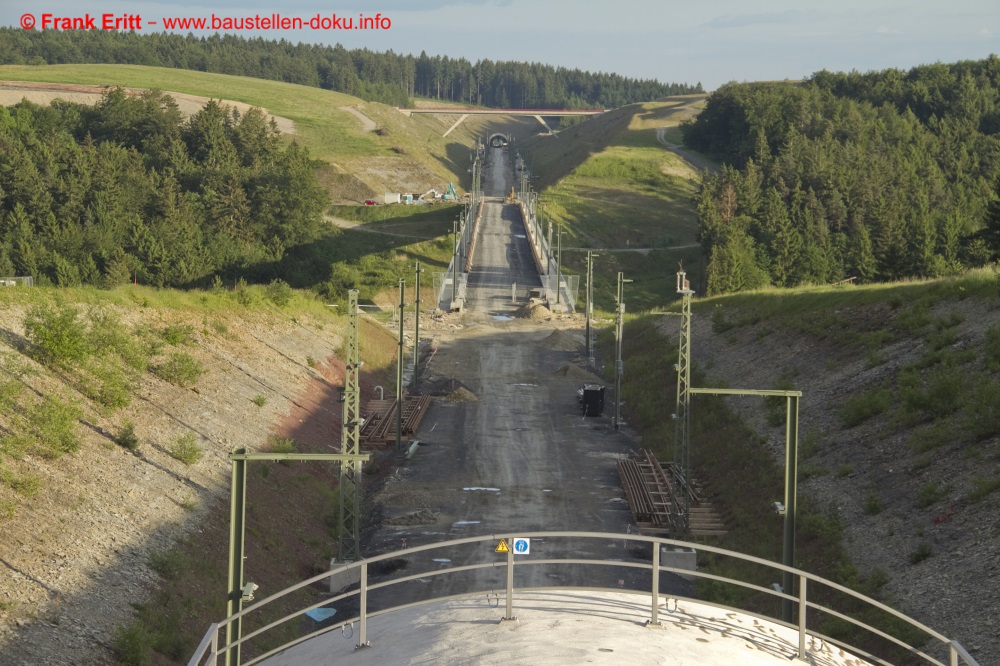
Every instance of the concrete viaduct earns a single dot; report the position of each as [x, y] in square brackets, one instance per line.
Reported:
[537, 114]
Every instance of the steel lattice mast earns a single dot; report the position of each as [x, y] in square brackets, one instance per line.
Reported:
[350, 471]
[682, 413]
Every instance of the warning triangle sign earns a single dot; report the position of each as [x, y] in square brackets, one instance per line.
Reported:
[502, 546]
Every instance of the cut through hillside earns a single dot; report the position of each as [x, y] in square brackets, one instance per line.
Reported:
[895, 439]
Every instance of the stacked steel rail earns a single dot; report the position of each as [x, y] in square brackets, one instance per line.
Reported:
[380, 419]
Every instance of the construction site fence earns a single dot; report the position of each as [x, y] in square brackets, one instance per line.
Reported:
[17, 281]
[376, 597]
[446, 294]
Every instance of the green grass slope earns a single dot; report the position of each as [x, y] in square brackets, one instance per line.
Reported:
[613, 186]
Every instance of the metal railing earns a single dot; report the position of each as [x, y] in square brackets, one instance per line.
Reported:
[211, 647]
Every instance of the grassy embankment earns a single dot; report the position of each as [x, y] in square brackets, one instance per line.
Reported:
[940, 401]
[611, 185]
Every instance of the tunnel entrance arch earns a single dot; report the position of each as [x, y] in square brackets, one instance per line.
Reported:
[498, 140]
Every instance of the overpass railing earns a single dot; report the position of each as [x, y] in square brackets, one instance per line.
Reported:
[809, 597]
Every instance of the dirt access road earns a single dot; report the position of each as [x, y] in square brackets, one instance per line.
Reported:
[518, 456]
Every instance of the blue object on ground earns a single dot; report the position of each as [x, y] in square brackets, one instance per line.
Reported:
[320, 614]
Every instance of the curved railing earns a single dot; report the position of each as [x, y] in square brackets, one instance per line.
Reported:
[213, 646]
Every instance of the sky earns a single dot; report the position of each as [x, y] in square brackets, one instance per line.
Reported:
[706, 41]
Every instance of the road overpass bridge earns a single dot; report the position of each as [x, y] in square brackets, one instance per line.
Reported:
[537, 114]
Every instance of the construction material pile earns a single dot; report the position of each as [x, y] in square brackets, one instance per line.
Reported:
[534, 310]
[461, 394]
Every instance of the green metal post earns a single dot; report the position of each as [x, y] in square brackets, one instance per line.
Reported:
[791, 482]
[558, 265]
[590, 294]
[399, 370]
[619, 363]
[416, 326]
[454, 260]
[237, 529]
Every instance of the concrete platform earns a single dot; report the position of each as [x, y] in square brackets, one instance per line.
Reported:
[565, 628]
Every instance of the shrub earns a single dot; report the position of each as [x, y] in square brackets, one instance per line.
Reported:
[26, 485]
[282, 444]
[57, 335]
[108, 336]
[922, 552]
[873, 505]
[127, 438]
[259, 400]
[859, 408]
[167, 563]
[180, 369]
[983, 488]
[980, 416]
[243, 294]
[991, 349]
[110, 383]
[177, 334]
[132, 644]
[931, 493]
[279, 293]
[54, 425]
[942, 392]
[185, 448]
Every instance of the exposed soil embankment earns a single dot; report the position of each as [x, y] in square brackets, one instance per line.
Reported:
[97, 535]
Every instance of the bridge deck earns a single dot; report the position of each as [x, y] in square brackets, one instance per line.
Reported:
[566, 628]
[505, 112]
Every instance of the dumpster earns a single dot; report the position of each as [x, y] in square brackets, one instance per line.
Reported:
[593, 400]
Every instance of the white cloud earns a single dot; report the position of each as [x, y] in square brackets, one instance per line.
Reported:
[985, 32]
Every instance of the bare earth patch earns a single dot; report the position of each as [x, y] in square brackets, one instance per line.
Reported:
[12, 92]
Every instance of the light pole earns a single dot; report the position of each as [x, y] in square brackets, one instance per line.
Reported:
[416, 326]
[590, 299]
[399, 371]
[240, 591]
[559, 265]
[454, 260]
[619, 365]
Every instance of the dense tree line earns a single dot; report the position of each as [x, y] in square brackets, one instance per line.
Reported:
[387, 77]
[876, 176]
[128, 189]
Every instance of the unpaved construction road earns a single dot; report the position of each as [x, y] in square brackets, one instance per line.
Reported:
[513, 454]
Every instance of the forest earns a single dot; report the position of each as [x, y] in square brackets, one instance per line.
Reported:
[130, 190]
[386, 77]
[875, 176]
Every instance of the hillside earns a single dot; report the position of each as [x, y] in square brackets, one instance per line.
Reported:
[402, 154]
[614, 182]
[899, 432]
[89, 528]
